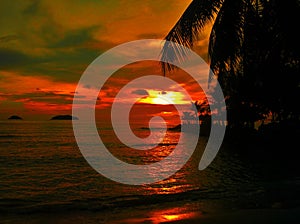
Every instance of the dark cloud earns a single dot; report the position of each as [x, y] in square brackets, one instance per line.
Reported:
[79, 96]
[32, 8]
[141, 92]
[11, 58]
[150, 36]
[8, 38]
[76, 38]
[61, 65]
[43, 96]
[87, 86]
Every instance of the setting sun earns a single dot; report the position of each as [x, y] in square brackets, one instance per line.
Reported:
[164, 98]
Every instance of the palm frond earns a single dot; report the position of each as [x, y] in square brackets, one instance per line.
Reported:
[186, 30]
[227, 36]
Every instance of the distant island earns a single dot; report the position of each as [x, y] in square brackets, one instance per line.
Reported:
[15, 117]
[64, 117]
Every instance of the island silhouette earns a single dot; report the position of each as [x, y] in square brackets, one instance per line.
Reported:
[15, 117]
[64, 117]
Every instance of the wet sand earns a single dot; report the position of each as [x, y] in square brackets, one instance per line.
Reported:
[189, 212]
[257, 216]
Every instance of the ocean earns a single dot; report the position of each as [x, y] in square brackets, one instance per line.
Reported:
[43, 171]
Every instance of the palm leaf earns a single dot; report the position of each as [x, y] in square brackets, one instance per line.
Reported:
[186, 30]
[226, 38]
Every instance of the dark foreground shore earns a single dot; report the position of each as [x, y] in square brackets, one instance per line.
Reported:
[275, 201]
[187, 212]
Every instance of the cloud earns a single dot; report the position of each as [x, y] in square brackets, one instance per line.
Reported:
[30, 90]
[32, 8]
[150, 36]
[45, 46]
[76, 38]
[8, 38]
[60, 38]
[141, 92]
[10, 58]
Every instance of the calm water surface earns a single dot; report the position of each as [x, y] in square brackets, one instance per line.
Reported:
[41, 168]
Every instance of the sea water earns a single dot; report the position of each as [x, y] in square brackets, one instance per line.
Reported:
[42, 169]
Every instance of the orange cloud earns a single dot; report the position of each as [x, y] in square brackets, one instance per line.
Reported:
[32, 93]
[46, 45]
[15, 83]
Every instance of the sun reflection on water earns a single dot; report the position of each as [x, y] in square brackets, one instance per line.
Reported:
[173, 214]
[184, 213]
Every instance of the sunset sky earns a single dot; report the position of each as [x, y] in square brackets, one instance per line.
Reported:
[45, 46]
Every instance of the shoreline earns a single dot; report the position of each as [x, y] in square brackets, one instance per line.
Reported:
[188, 212]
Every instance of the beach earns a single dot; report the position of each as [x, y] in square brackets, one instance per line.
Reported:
[182, 212]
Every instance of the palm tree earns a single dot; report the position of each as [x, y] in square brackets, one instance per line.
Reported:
[238, 50]
[226, 37]
[279, 71]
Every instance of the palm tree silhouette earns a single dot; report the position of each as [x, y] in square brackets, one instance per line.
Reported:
[250, 49]
[227, 37]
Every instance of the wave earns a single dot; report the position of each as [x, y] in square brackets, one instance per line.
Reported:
[11, 136]
[91, 204]
[15, 206]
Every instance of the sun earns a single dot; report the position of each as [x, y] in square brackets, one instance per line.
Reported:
[164, 98]
[161, 101]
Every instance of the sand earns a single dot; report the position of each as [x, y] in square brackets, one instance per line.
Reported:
[187, 212]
